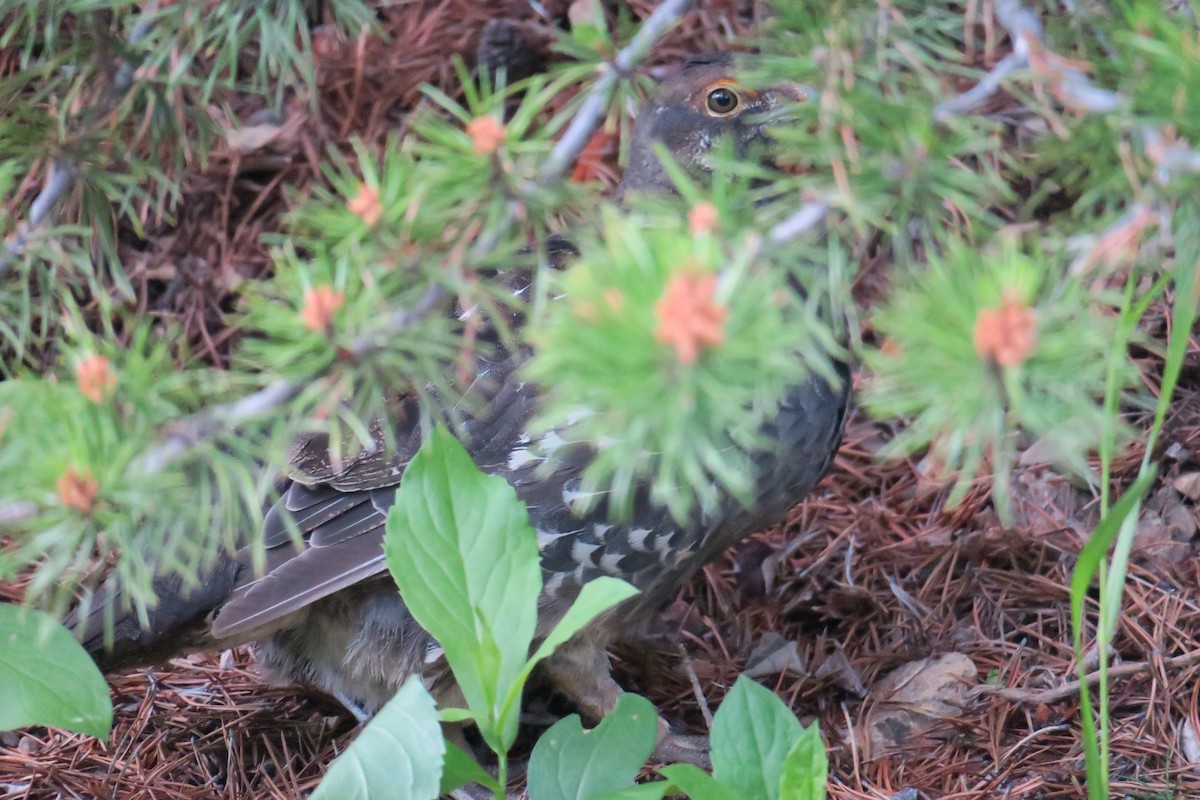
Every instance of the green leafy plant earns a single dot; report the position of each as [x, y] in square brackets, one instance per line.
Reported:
[46, 678]
[464, 557]
[570, 763]
[461, 549]
[760, 751]
[400, 752]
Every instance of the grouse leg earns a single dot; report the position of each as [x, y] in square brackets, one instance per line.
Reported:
[581, 671]
[354, 707]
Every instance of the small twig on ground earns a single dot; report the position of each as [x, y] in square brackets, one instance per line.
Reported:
[1071, 688]
[697, 690]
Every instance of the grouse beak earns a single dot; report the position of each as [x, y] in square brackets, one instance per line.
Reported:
[781, 107]
[794, 91]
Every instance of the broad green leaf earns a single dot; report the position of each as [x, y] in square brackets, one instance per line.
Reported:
[752, 734]
[596, 597]
[642, 791]
[461, 549]
[569, 763]
[460, 769]
[47, 678]
[696, 783]
[455, 714]
[398, 755]
[806, 768]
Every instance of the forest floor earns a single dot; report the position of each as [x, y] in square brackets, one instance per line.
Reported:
[932, 644]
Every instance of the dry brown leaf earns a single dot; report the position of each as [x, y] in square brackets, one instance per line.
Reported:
[1189, 744]
[252, 137]
[844, 674]
[597, 159]
[914, 698]
[1188, 485]
[1044, 502]
[259, 136]
[1165, 529]
[772, 655]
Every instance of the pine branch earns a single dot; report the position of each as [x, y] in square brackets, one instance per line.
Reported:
[63, 172]
[61, 179]
[1171, 158]
[190, 432]
[808, 217]
[1068, 84]
[196, 429]
[592, 109]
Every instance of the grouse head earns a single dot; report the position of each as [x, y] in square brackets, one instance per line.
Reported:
[693, 110]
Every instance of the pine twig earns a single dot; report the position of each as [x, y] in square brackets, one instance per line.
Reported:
[808, 217]
[64, 171]
[592, 109]
[191, 431]
[61, 178]
[1069, 85]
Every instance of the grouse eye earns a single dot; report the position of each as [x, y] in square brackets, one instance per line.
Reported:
[722, 101]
